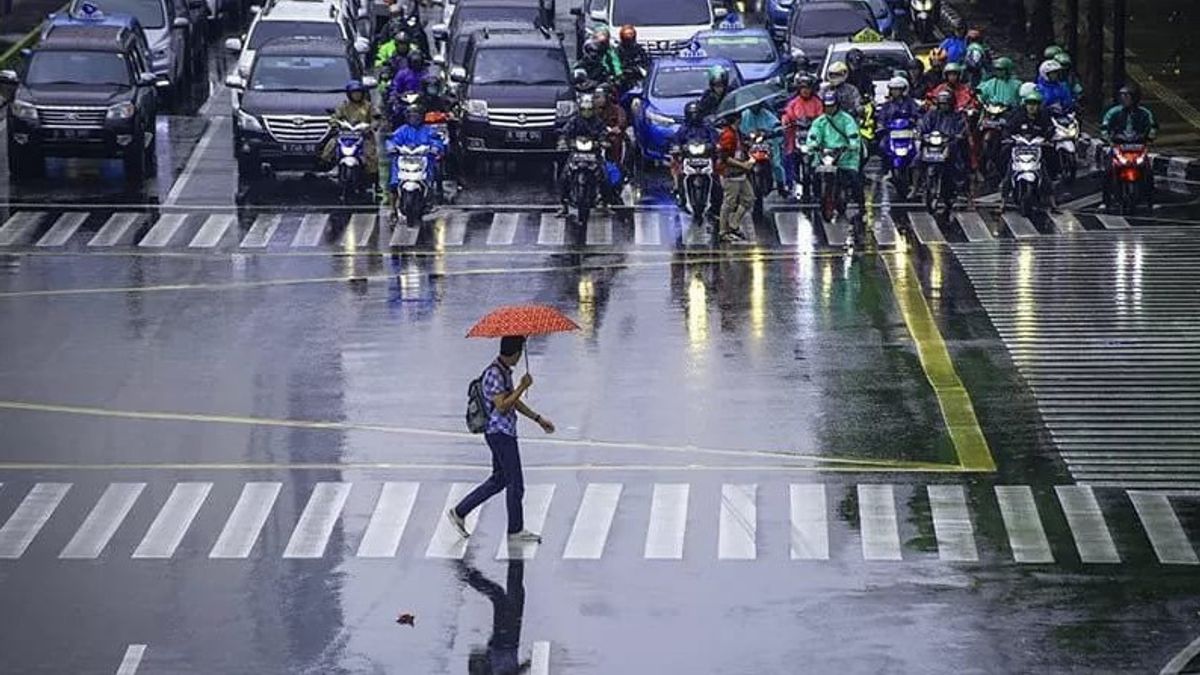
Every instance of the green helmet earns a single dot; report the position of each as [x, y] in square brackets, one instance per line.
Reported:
[1034, 96]
[1052, 51]
[1003, 63]
[1063, 58]
[718, 73]
[953, 68]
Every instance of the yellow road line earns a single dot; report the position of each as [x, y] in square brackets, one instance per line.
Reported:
[955, 403]
[322, 425]
[391, 466]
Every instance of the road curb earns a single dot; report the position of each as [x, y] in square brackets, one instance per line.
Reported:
[1170, 167]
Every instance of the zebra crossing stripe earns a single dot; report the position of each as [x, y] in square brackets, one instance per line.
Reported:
[539, 659]
[973, 226]
[885, 230]
[593, 521]
[312, 230]
[359, 231]
[738, 523]
[552, 230]
[836, 231]
[647, 228]
[1066, 223]
[1162, 527]
[31, 514]
[100, 525]
[446, 541]
[925, 228]
[787, 226]
[392, 511]
[261, 232]
[668, 521]
[19, 228]
[503, 230]
[1086, 521]
[537, 507]
[131, 660]
[600, 230]
[246, 521]
[810, 527]
[451, 230]
[403, 235]
[213, 231]
[173, 521]
[321, 513]
[1112, 222]
[117, 230]
[1019, 225]
[164, 230]
[952, 523]
[877, 520]
[1025, 533]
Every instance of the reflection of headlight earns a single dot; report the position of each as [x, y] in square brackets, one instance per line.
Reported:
[565, 109]
[248, 122]
[659, 119]
[121, 111]
[24, 111]
[477, 108]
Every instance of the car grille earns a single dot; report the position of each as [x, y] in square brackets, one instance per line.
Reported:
[297, 128]
[521, 118]
[71, 117]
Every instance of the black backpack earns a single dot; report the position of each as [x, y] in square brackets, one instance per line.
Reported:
[477, 414]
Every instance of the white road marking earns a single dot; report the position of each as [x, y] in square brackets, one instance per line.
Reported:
[537, 506]
[539, 662]
[173, 521]
[392, 511]
[952, 523]
[1025, 533]
[453, 230]
[131, 660]
[1113, 222]
[835, 231]
[877, 520]
[32, 513]
[600, 230]
[446, 541]
[1084, 202]
[164, 230]
[1086, 521]
[810, 525]
[403, 235]
[647, 228]
[261, 231]
[19, 228]
[193, 163]
[117, 230]
[63, 229]
[925, 227]
[504, 229]
[1019, 225]
[100, 525]
[739, 523]
[320, 516]
[212, 231]
[1162, 526]
[241, 530]
[552, 230]
[788, 225]
[973, 226]
[1066, 223]
[1180, 661]
[593, 521]
[885, 230]
[359, 230]
[668, 521]
[312, 230]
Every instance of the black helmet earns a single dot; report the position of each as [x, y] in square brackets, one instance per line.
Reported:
[416, 111]
[854, 58]
[416, 59]
[592, 49]
[355, 86]
[1132, 92]
[430, 84]
[804, 80]
[691, 112]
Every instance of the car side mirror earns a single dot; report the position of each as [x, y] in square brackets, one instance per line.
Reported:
[146, 79]
[635, 93]
[255, 10]
[599, 15]
[233, 45]
[26, 53]
[458, 74]
[181, 22]
[439, 59]
[234, 81]
[8, 76]
[370, 82]
[440, 31]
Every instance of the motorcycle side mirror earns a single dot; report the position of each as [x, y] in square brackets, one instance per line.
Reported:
[233, 45]
[8, 76]
[440, 31]
[370, 81]
[796, 54]
[181, 22]
[458, 74]
[362, 45]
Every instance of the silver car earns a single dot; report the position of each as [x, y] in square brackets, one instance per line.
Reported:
[166, 33]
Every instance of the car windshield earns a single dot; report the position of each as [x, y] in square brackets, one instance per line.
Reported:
[85, 68]
[266, 31]
[740, 48]
[831, 22]
[527, 15]
[149, 13]
[661, 12]
[300, 73]
[879, 65]
[520, 66]
[680, 82]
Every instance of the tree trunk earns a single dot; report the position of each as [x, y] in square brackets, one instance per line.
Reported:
[1071, 29]
[1016, 23]
[1041, 24]
[1118, 68]
[1094, 53]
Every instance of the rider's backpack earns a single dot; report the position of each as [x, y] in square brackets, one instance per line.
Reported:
[477, 415]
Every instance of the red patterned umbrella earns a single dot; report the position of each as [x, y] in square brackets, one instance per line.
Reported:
[522, 320]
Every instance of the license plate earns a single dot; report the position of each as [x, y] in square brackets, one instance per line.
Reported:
[72, 134]
[300, 148]
[523, 136]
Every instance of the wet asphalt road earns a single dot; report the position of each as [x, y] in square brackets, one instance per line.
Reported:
[238, 455]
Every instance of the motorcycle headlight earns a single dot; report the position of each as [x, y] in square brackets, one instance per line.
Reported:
[248, 122]
[923, 5]
[565, 109]
[696, 148]
[24, 111]
[659, 119]
[121, 111]
[477, 108]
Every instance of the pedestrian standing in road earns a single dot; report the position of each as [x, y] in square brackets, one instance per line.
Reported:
[735, 183]
[502, 402]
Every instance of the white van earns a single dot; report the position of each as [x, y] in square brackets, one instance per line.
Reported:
[663, 26]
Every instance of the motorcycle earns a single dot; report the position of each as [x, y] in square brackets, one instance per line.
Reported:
[411, 167]
[805, 188]
[1127, 185]
[698, 176]
[921, 18]
[1066, 132]
[351, 159]
[939, 180]
[991, 128]
[398, 105]
[1026, 173]
[832, 199]
[900, 152]
[762, 176]
[583, 165]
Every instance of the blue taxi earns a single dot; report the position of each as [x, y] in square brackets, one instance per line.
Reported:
[753, 51]
[657, 108]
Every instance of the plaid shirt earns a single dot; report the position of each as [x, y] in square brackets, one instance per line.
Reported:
[497, 379]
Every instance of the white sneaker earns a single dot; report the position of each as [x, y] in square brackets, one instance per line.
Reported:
[458, 522]
[525, 536]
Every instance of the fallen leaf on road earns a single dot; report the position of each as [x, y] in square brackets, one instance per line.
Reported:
[406, 619]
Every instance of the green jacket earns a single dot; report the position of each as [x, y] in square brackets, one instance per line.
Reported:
[838, 131]
[1139, 121]
[998, 90]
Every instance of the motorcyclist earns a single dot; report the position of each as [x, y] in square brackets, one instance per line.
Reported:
[859, 77]
[1128, 121]
[975, 39]
[975, 65]
[1069, 75]
[718, 86]
[693, 130]
[955, 44]
[615, 121]
[963, 96]
[391, 56]
[1002, 88]
[408, 77]
[1055, 92]
[1032, 121]
[412, 134]
[635, 60]
[761, 118]
[953, 125]
[356, 109]
[804, 107]
[837, 129]
[586, 124]
[933, 76]
[913, 72]
[600, 60]
[898, 106]
[434, 97]
[849, 97]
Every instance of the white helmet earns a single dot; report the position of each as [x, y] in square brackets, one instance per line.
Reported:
[1025, 89]
[1049, 66]
[838, 72]
[898, 83]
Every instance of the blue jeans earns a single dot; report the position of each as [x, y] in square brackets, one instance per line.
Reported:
[506, 475]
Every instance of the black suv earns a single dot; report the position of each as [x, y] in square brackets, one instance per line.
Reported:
[86, 90]
[515, 91]
[282, 119]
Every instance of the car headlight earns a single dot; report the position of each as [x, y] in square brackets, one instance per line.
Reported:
[24, 111]
[564, 109]
[247, 121]
[121, 111]
[477, 108]
[659, 118]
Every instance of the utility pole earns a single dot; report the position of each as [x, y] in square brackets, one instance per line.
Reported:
[1118, 71]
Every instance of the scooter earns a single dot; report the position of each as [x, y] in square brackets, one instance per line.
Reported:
[833, 200]
[805, 189]
[698, 175]
[411, 167]
[991, 128]
[351, 159]
[939, 181]
[583, 165]
[762, 177]
[1066, 132]
[1026, 173]
[1127, 185]
[921, 18]
[900, 153]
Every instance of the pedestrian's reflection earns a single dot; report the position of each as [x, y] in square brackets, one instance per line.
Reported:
[508, 606]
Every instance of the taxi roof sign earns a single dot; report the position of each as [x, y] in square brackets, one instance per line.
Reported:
[89, 11]
[692, 50]
[732, 21]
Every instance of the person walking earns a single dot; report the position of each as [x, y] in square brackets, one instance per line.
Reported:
[502, 402]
